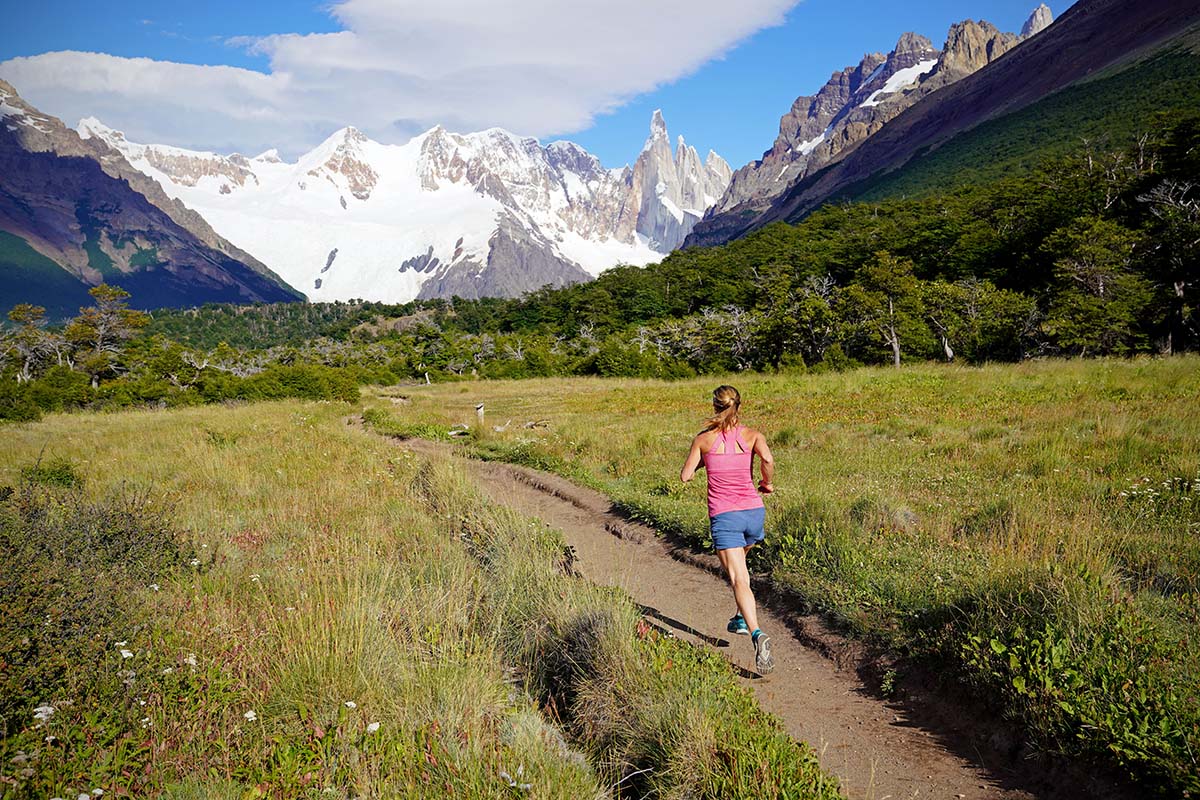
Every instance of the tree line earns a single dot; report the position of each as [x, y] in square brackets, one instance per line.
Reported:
[1092, 254]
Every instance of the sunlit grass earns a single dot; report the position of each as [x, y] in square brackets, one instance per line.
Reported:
[939, 508]
[349, 621]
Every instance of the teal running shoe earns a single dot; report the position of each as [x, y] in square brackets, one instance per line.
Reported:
[737, 624]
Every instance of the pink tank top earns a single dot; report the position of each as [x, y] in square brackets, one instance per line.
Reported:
[730, 480]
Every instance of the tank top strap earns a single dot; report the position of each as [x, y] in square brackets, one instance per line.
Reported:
[728, 439]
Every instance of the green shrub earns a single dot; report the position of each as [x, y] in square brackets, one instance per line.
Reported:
[384, 423]
[57, 471]
[16, 404]
[60, 388]
[74, 639]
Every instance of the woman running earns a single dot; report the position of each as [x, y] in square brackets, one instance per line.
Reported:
[736, 513]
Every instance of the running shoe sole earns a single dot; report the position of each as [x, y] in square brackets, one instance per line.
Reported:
[764, 662]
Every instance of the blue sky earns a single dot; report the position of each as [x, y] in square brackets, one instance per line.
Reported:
[730, 102]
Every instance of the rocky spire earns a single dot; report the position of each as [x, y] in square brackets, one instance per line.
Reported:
[1038, 21]
[971, 45]
[672, 192]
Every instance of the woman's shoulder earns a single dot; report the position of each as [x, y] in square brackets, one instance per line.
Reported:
[749, 433]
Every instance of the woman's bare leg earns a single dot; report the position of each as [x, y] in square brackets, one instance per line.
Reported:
[734, 562]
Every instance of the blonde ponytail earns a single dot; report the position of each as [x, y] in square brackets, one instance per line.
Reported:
[726, 405]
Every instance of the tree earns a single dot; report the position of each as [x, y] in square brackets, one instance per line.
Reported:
[1175, 206]
[1100, 300]
[976, 320]
[884, 305]
[29, 346]
[101, 330]
[776, 333]
[816, 321]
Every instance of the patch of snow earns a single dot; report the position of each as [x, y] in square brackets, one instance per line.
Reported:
[902, 79]
[874, 73]
[807, 147]
[596, 256]
[575, 186]
[673, 209]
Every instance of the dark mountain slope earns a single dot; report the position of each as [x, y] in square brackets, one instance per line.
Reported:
[79, 206]
[1091, 36]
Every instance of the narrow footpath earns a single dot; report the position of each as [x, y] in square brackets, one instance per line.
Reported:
[880, 749]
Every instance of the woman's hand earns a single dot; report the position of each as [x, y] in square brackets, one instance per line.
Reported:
[766, 487]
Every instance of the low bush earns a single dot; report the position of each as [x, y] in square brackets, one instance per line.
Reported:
[77, 675]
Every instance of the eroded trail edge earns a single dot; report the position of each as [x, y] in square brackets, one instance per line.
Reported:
[879, 748]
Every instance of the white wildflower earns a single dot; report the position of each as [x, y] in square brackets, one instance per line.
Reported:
[191, 659]
[126, 653]
[351, 704]
[374, 726]
[154, 586]
[120, 644]
[168, 670]
[195, 562]
[255, 577]
[250, 715]
[43, 713]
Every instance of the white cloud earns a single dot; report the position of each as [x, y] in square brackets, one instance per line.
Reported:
[536, 67]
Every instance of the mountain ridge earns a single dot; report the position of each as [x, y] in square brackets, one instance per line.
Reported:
[489, 213]
[854, 104]
[1089, 36]
[84, 210]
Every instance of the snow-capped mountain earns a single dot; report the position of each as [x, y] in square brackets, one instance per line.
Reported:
[853, 105]
[480, 214]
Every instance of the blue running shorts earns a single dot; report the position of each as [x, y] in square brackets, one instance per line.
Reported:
[737, 528]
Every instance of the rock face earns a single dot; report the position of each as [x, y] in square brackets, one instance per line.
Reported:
[671, 193]
[81, 206]
[1090, 36]
[348, 161]
[970, 45]
[517, 258]
[852, 106]
[1038, 21]
[481, 214]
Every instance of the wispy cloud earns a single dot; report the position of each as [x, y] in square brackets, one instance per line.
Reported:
[536, 67]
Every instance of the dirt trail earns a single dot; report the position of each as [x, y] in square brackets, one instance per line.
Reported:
[920, 747]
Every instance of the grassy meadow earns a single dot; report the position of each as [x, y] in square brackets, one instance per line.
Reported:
[1035, 528]
[266, 601]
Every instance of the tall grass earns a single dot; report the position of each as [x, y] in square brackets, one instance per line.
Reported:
[324, 629]
[1035, 527]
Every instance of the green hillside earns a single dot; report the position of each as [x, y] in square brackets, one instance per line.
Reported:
[34, 275]
[1107, 110]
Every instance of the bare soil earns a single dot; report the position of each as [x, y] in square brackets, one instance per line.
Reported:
[918, 742]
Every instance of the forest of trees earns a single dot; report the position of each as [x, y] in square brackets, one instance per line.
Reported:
[1092, 254]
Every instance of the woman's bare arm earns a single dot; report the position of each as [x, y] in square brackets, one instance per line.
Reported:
[692, 462]
[766, 464]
